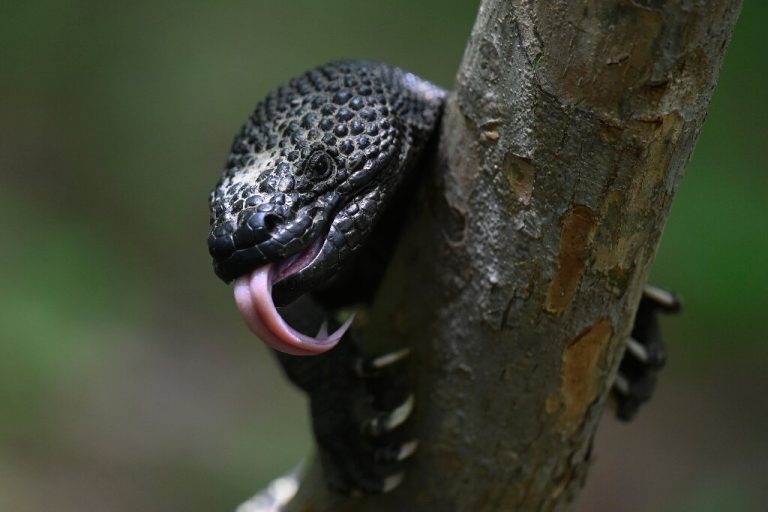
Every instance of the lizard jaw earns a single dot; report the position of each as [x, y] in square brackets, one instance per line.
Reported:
[253, 295]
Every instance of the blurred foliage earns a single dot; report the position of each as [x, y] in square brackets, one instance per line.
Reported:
[126, 379]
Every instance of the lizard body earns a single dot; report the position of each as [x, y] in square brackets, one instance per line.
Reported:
[303, 220]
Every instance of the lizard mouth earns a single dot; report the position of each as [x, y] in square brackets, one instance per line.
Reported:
[253, 295]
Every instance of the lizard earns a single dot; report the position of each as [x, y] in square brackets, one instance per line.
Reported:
[303, 220]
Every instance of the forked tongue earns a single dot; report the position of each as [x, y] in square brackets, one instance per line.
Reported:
[253, 294]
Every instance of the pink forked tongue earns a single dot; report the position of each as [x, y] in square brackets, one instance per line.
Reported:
[253, 294]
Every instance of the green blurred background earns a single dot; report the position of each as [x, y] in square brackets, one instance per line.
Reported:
[127, 381]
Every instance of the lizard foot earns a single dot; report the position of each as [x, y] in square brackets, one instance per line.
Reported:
[359, 423]
[369, 459]
[644, 356]
[358, 406]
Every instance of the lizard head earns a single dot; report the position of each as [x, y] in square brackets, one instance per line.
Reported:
[305, 182]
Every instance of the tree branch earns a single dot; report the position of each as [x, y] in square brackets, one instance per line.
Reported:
[518, 276]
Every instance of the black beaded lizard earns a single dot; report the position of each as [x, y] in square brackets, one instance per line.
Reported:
[304, 217]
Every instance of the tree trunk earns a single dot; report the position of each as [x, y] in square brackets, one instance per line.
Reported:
[518, 276]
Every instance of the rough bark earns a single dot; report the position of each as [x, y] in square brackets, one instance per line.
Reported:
[519, 273]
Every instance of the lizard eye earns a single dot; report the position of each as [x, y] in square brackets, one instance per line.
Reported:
[320, 164]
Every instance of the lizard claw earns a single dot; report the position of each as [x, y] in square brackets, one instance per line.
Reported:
[371, 366]
[390, 421]
[392, 482]
[396, 453]
[666, 300]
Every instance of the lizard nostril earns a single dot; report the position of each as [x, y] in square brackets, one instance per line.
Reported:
[256, 228]
[271, 221]
[263, 221]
